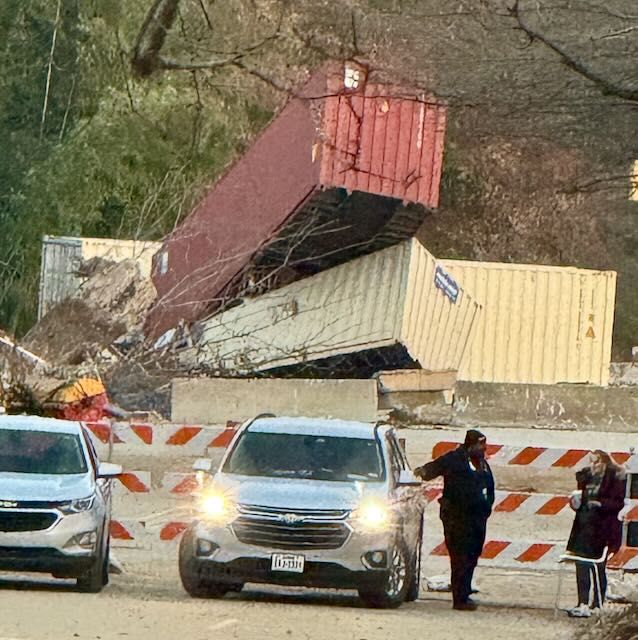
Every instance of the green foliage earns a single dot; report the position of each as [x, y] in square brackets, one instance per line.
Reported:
[111, 157]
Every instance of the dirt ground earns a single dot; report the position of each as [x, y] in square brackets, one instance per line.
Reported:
[148, 602]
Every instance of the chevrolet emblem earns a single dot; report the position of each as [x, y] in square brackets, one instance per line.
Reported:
[291, 518]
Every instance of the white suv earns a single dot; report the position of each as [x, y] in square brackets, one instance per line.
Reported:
[55, 501]
[309, 502]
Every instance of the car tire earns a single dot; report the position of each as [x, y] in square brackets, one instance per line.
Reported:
[97, 577]
[415, 578]
[193, 574]
[393, 592]
[107, 563]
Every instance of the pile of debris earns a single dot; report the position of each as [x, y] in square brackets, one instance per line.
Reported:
[95, 335]
[109, 310]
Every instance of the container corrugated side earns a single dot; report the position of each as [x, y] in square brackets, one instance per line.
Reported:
[349, 308]
[60, 257]
[437, 327]
[540, 324]
[384, 140]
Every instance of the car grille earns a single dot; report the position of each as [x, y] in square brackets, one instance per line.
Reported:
[295, 530]
[26, 520]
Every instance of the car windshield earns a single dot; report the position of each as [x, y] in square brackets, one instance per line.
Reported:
[41, 452]
[312, 457]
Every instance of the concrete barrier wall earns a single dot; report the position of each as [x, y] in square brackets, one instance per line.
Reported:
[214, 400]
[584, 408]
[552, 407]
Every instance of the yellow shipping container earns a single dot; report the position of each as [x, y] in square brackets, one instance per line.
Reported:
[539, 324]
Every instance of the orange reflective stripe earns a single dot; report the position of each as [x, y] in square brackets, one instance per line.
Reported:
[133, 483]
[183, 435]
[535, 552]
[492, 548]
[553, 506]
[527, 455]
[119, 532]
[570, 458]
[511, 502]
[172, 530]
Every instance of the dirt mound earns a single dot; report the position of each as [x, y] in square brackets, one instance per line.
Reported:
[97, 333]
[70, 330]
[110, 304]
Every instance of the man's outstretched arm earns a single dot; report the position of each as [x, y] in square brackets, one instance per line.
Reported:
[432, 469]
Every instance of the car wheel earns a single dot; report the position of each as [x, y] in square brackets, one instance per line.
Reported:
[394, 589]
[415, 578]
[94, 580]
[193, 574]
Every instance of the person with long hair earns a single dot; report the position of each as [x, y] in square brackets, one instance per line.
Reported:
[596, 525]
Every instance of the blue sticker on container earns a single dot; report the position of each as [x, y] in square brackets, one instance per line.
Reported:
[447, 284]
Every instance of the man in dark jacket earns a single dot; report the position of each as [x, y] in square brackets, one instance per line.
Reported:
[466, 504]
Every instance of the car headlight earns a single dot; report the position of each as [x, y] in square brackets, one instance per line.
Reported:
[216, 506]
[76, 506]
[372, 515]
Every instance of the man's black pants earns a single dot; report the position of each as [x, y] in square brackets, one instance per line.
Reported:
[462, 566]
[464, 539]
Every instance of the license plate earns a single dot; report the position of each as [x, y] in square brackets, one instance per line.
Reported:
[287, 562]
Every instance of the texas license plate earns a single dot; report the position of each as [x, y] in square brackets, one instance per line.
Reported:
[287, 562]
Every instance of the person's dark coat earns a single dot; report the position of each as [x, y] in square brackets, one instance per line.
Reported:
[597, 527]
[467, 499]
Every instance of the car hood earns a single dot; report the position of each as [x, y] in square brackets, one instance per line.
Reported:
[295, 493]
[53, 488]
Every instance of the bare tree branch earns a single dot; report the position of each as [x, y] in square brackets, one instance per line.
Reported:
[206, 16]
[606, 86]
[618, 34]
[152, 35]
[147, 56]
[262, 76]
[50, 69]
[167, 64]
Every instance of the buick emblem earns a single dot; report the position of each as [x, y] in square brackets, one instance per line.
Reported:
[291, 518]
[8, 504]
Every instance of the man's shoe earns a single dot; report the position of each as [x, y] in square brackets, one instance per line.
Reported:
[465, 606]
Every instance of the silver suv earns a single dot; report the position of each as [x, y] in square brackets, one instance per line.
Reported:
[308, 502]
[55, 501]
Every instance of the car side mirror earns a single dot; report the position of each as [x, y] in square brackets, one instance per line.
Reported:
[108, 470]
[203, 464]
[408, 479]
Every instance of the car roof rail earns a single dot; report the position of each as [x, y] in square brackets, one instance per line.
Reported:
[257, 417]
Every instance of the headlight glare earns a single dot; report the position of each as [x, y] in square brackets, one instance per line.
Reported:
[215, 506]
[372, 515]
